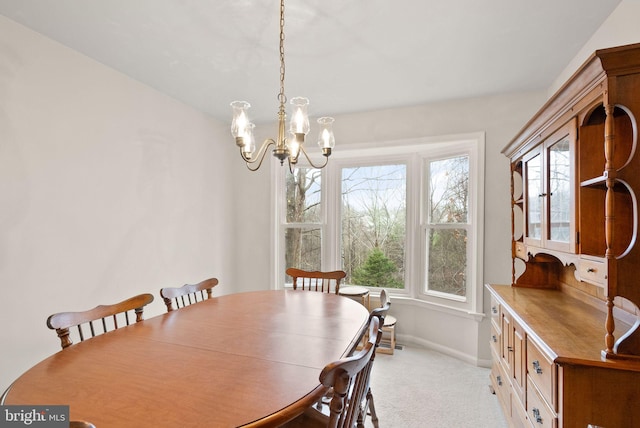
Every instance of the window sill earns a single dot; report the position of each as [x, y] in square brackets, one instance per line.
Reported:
[410, 301]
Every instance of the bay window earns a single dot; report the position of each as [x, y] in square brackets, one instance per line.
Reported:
[406, 218]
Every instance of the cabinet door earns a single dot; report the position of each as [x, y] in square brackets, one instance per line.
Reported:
[534, 197]
[519, 360]
[550, 191]
[507, 344]
[561, 190]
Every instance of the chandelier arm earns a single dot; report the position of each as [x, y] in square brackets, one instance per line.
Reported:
[290, 165]
[260, 156]
[326, 159]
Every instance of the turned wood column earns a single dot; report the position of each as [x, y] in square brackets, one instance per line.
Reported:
[610, 178]
[513, 229]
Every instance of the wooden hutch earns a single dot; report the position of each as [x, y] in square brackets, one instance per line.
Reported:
[565, 337]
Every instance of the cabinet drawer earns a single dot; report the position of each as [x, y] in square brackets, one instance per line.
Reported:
[538, 411]
[521, 250]
[501, 387]
[592, 271]
[541, 371]
[494, 339]
[495, 312]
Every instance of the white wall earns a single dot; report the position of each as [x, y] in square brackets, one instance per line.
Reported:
[253, 209]
[621, 28]
[107, 189]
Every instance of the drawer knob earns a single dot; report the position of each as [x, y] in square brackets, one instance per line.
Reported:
[536, 415]
[591, 270]
[536, 367]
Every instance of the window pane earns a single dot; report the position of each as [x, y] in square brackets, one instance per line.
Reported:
[449, 190]
[534, 200]
[302, 248]
[374, 225]
[559, 190]
[447, 261]
[303, 196]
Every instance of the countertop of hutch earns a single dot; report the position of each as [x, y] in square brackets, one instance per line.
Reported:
[571, 331]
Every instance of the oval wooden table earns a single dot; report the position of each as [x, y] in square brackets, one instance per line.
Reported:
[246, 359]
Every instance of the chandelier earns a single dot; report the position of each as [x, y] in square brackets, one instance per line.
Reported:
[285, 147]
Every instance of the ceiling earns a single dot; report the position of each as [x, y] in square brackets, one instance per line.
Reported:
[345, 56]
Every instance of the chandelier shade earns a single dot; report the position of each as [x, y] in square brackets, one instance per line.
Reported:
[326, 140]
[286, 146]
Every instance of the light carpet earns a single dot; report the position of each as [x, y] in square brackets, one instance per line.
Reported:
[421, 388]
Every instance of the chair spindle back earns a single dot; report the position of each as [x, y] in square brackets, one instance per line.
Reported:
[188, 294]
[105, 316]
[349, 379]
[326, 282]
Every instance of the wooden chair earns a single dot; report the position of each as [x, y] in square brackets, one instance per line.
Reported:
[188, 294]
[81, 424]
[388, 340]
[368, 408]
[328, 282]
[388, 323]
[107, 314]
[385, 304]
[4, 395]
[348, 379]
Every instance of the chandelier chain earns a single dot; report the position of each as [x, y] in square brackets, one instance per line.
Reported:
[281, 96]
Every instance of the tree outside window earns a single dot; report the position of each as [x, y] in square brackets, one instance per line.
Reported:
[374, 225]
[303, 234]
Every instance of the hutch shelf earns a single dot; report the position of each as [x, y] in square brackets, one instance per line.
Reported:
[565, 334]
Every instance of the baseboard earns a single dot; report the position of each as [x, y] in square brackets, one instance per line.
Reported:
[470, 359]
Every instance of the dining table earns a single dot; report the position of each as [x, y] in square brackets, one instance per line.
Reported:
[245, 359]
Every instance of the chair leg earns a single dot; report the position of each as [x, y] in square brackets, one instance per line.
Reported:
[361, 417]
[388, 338]
[370, 409]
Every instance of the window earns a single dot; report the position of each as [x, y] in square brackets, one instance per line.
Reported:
[406, 217]
[303, 225]
[373, 220]
[446, 225]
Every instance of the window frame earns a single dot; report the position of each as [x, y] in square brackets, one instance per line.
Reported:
[335, 197]
[415, 153]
